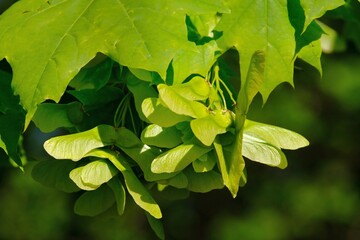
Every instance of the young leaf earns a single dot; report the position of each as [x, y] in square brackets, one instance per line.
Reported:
[186, 63]
[136, 189]
[181, 104]
[97, 172]
[55, 174]
[258, 150]
[120, 194]
[94, 202]
[205, 163]
[75, 176]
[161, 115]
[196, 89]
[203, 182]
[178, 158]
[231, 165]
[50, 116]
[75, 146]
[161, 137]
[208, 127]
[276, 136]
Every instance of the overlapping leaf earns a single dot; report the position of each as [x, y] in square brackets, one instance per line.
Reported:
[270, 32]
[52, 40]
[316, 8]
[12, 117]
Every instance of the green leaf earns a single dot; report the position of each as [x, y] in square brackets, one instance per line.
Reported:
[208, 127]
[276, 136]
[94, 202]
[186, 63]
[252, 84]
[178, 158]
[75, 31]
[159, 114]
[156, 226]
[55, 174]
[181, 104]
[75, 176]
[205, 24]
[196, 89]
[258, 150]
[50, 116]
[97, 172]
[136, 189]
[161, 137]
[231, 165]
[203, 182]
[312, 54]
[178, 181]
[204, 163]
[90, 97]
[261, 25]
[201, 6]
[76, 146]
[94, 77]
[316, 8]
[140, 90]
[12, 118]
[120, 194]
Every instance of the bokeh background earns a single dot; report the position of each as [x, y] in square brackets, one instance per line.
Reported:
[316, 197]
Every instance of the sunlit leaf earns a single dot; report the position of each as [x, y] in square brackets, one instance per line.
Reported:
[161, 115]
[186, 63]
[316, 8]
[277, 136]
[75, 31]
[135, 188]
[208, 127]
[261, 25]
[76, 146]
[258, 150]
[161, 137]
[176, 159]
[75, 176]
[181, 104]
[97, 172]
[205, 163]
